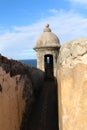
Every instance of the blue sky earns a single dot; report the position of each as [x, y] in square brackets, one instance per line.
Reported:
[22, 21]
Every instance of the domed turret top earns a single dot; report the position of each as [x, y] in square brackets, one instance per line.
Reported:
[47, 39]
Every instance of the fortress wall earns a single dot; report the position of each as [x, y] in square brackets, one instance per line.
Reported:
[11, 102]
[19, 84]
[72, 85]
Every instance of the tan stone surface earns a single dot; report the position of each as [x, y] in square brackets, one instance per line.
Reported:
[73, 96]
[11, 101]
[72, 85]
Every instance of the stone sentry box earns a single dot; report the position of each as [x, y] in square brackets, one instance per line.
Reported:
[47, 48]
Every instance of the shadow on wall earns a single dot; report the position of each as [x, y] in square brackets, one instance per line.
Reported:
[41, 111]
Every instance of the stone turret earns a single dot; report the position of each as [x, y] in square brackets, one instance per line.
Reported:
[47, 48]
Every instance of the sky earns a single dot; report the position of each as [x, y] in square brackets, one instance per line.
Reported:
[22, 21]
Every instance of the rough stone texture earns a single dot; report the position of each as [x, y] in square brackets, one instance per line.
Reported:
[19, 85]
[72, 85]
[73, 52]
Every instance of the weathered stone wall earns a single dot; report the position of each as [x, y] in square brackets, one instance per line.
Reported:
[72, 85]
[11, 101]
[19, 85]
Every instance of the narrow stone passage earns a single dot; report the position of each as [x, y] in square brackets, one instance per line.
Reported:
[44, 114]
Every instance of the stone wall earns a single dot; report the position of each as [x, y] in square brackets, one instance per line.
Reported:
[19, 85]
[11, 101]
[72, 85]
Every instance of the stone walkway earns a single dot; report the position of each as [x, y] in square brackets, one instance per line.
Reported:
[44, 114]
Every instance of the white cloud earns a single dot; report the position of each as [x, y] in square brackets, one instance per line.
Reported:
[79, 1]
[18, 42]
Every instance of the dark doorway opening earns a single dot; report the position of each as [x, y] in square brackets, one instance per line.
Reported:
[48, 64]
